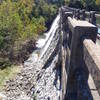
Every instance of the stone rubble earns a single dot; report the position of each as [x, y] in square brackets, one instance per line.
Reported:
[34, 83]
[48, 80]
[20, 88]
[48, 86]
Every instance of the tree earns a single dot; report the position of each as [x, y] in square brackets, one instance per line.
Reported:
[22, 20]
[10, 27]
[76, 4]
[67, 2]
[10, 23]
[98, 2]
[89, 4]
[45, 9]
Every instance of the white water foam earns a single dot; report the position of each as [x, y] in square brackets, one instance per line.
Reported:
[49, 36]
[42, 42]
[99, 30]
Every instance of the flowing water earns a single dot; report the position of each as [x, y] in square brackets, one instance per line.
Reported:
[99, 30]
[44, 43]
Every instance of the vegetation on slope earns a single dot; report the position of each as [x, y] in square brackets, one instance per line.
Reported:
[8, 73]
[86, 4]
[22, 21]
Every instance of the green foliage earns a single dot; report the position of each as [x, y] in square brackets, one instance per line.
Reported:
[45, 9]
[8, 73]
[89, 4]
[22, 20]
[18, 23]
[67, 2]
[98, 2]
[76, 4]
[38, 25]
[86, 4]
[10, 24]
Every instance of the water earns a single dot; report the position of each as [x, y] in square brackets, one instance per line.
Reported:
[99, 30]
[45, 42]
[42, 42]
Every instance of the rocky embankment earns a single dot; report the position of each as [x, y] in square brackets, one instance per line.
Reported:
[21, 87]
[39, 78]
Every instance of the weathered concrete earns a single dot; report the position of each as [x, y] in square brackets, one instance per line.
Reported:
[64, 29]
[72, 54]
[92, 60]
[93, 88]
[79, 29]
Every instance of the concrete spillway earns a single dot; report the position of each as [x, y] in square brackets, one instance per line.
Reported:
[48, 80]
[44, 43]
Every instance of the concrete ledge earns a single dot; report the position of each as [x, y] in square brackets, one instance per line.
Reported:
[64, 73]
[74, 22]
[92, 60]
[84, 26]
[93, 88]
